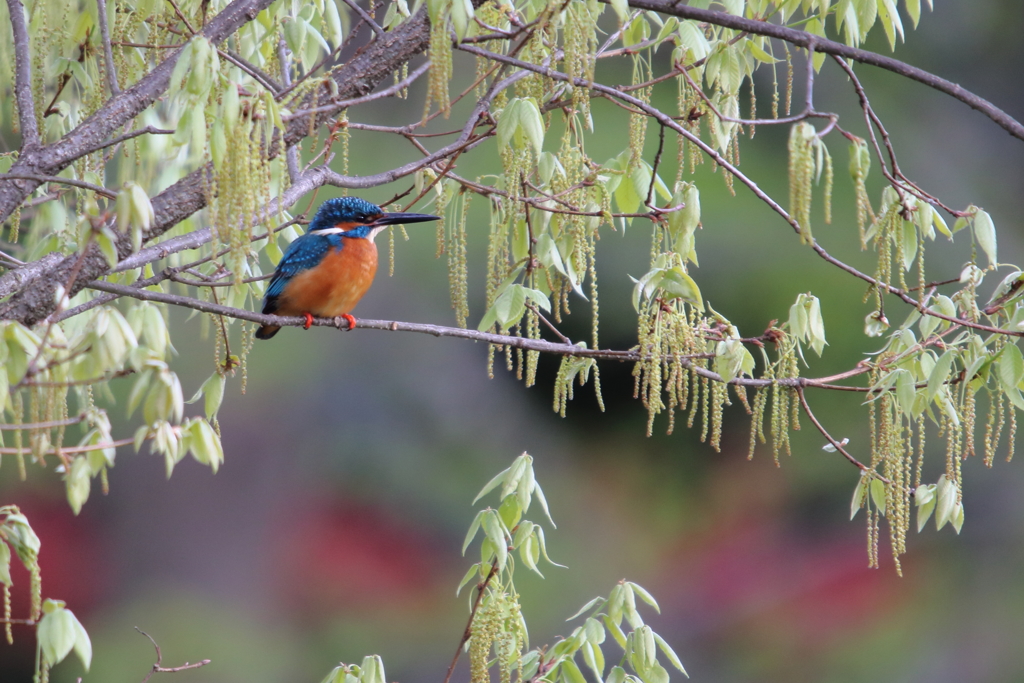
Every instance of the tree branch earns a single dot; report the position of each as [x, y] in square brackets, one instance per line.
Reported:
[524, 343]
[669, 122]
[34, 300]
[835, 444]
[108, 52]
[365, 17]
[805, 39]
[481, 587]
[116, 112]
[65, 181]
[158, 665]
[23, 80]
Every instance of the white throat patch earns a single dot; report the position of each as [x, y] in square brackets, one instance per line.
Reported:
[339, 231]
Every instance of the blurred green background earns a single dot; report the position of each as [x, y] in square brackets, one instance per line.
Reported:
[334, 528]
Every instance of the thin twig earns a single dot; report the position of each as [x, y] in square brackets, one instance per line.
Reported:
[291, 155]
[72, 450]
[468, 633]
[148, 130]
[44, 425]
[181, 15]
[803, 39]
[159, 669]
[344, 104]
[260, 77]
[666, 120]
[835, 444]
[108, 53]
[23, 76]
[366, 17]
[654, 167]
[66, 181]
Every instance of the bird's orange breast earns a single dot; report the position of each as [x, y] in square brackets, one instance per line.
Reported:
[334, 286]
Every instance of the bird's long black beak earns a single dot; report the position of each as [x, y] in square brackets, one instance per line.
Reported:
[399, 217]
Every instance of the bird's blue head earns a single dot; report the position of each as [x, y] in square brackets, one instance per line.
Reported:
[358, 218]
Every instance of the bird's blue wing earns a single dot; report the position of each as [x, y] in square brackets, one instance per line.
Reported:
[303, 253]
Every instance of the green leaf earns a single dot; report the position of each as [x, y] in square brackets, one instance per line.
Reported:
[524, 491]
[539, 492]
[138, 391]
[621, 8]
[107, 242]
[940, 225]
[473, 528]
[587, 606]
[940, 373]
[529, 551]
[673, 658]
[626, 196]
[337, 675]
[56, 633]
[924, 498]
[539, 533]
[613, 627]
[859, 493]
[473, 571]
[616, 675]
[78, 483]
[5, 565]
[206, 446]
[905, 391]
[1011, 367]
[629, 608]
[572, 672]
[510, 306]
[637, 32]
[593, 655]
[676, 284]
[914, 10]
[333, 20]
[181, 68]
[758, 52]
[508, 122]
[909, 244]
[985, 233]
[946, 494]
[878, 495]
[957, 517]
[492, 484]
[496, 534]
[531, 123]
[510, 512]
[595, 632]
[213, 390]
[83, 645]
[644, 595]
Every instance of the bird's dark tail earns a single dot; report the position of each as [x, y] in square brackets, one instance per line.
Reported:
[269, 308]
[267, 331]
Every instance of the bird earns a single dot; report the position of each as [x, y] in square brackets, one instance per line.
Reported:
[326, 271]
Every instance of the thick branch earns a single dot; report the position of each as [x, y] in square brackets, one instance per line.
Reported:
[187, 196]
[51, 159]
[804, 39]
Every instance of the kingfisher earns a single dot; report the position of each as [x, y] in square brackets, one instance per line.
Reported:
[325, 272]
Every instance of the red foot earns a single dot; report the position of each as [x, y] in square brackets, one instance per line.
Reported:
[309, 321]
[351, 320]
